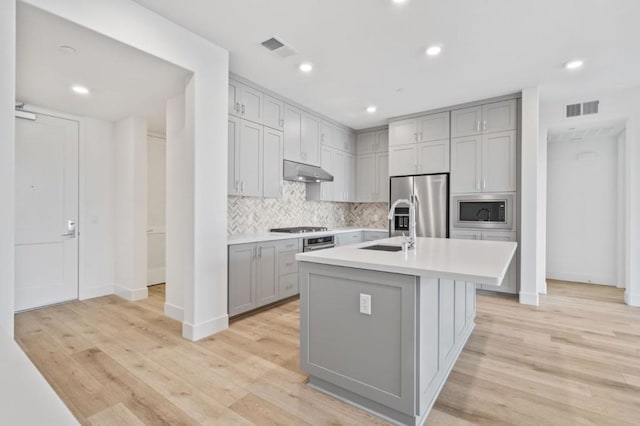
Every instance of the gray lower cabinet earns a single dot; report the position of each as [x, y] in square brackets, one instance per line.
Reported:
[347, 238]
[261, 273]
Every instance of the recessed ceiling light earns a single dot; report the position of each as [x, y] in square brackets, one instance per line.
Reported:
[399, 1]
[371, 109]
[574, 65]
[434, 50]
[81, 90]
[306, 67]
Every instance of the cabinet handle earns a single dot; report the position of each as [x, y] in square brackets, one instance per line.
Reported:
[242, 109]
[478, 126]
[484, 125]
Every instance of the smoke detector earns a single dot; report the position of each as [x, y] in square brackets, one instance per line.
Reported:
[279, 47]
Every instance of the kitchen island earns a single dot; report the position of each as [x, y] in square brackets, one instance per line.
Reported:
[382, 330]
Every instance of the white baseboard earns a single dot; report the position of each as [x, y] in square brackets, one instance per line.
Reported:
[91, 292]
[195, 332]
[581, 278]
[529, 298]
[631, 299]
[173, 311]
[132, 294]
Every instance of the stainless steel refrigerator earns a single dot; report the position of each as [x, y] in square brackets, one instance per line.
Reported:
[432, 209]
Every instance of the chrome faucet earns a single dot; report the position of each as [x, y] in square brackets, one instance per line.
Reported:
[411, 202]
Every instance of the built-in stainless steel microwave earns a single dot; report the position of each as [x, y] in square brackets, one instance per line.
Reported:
[494, 211]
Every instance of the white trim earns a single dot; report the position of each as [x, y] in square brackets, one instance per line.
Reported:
[631, 299]
[91, 292]
[131, 294]
[173, 311]
[581, 278]
[529, 299]
[195, 332]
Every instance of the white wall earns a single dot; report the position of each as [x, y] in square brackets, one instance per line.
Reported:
[130, 23]
[582, 213]
[156, 189]
[7, 163]
[97, 223]
[614, 105]
[529, 199]
[131, 208]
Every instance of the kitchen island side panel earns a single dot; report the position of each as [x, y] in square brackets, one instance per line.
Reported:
[371, 355]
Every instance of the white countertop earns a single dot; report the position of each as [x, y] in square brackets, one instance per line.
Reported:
[256, 237]
[483, 262]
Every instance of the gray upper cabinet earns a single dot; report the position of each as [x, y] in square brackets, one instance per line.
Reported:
[326, 134]
[382, 141]
[273, 113]
[403, 132]
[466, 164]
[242, 278]
[466, 122]
[310, 139]
[433, 127]
[499, 116]
[245, 102]
[233, 136]
[250, 159]
[292, 129]
[272, 163]
[366, 143]
[488, 118]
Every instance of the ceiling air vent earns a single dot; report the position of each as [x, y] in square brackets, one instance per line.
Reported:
[590, 107]
[279, 47]
[574, 110]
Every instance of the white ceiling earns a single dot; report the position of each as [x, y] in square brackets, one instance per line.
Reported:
[364, 51]
[123, 81]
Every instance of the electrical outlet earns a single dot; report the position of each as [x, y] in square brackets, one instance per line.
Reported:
[365, 304]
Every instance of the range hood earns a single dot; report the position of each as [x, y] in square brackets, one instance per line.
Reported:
[298, 172]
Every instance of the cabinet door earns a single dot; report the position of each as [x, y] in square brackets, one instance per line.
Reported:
[466, 122]
[499, 116]
[499, 162]
[233, 136]
[267, 274]
[326, 162]
[403, 160]
[382, 141]
[250, 159]
[292, 127]
[339, 167]
[403, 132]
[509, 284]
[310, 139]
[340, 138]
[351, 143]
[234, 98]
[433, 127]
[366, 178]
[433, 157]
[252, 103]
[326, 134]
[382, 177]
[288, 285]
[465, 164]
[272, 163]
[366, 143]
[242, 278]
[273, 113]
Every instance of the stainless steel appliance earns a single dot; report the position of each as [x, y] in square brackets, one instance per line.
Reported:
[300, 229]
[493, 211]
[431, 193]
[318, 243]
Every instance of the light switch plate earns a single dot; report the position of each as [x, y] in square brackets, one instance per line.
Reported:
[365, 304]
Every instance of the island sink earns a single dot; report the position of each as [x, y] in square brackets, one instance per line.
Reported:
[382, 247]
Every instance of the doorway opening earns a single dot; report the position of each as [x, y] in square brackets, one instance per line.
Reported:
[586, 203]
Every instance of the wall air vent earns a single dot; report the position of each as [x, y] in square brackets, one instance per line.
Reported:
[574, 110]
[279, 47]
[590, 107]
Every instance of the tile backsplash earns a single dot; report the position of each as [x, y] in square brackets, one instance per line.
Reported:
[252, 214]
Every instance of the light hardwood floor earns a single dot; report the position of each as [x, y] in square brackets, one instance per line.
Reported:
[573, 360]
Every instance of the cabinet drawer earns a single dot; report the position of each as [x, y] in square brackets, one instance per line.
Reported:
[288, 285]
[289, 245]
[288, 263]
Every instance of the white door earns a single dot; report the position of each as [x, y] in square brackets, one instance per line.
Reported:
[465, 164]
[46, 251]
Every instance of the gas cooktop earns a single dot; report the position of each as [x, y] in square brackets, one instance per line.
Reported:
[300, 229]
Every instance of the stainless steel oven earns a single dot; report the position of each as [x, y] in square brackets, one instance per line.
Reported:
[494, 211]
[318, 243]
